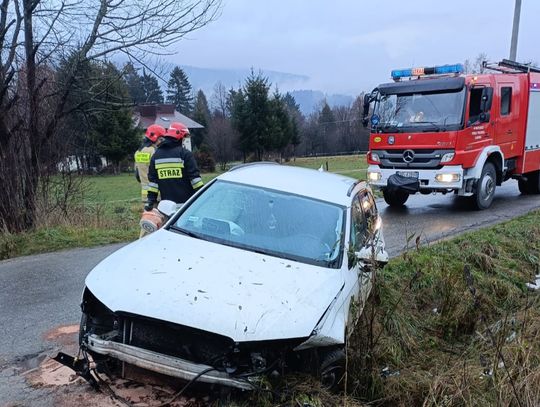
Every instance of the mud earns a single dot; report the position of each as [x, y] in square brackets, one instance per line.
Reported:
[63, 335]
[41, 372]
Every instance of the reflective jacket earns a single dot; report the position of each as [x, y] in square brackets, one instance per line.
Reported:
[142, 161]
[173, 173]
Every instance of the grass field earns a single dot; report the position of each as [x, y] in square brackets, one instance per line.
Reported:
[109, 209]
[124, 187]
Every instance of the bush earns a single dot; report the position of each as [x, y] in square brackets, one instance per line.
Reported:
[205, 159]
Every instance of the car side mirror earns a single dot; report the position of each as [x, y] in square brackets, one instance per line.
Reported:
[372, 253]
[168, 208]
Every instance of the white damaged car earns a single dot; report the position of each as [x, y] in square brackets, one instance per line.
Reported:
[265, 269]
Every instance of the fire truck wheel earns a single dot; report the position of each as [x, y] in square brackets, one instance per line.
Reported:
[485, 187]
[531, 185]
[395, 197]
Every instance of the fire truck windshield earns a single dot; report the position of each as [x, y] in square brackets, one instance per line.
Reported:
[427, 111]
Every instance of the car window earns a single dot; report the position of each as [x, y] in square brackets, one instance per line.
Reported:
[268, 221]
[363, 219]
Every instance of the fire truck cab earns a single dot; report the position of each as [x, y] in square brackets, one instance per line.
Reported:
[436, 130]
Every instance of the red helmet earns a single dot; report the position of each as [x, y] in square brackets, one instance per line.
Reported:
[154, 131]
[177, 131]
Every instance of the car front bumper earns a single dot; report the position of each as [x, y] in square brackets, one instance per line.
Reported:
[164, 364]
[427, 178]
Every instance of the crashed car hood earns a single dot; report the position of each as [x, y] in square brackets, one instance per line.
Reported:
[243, 295]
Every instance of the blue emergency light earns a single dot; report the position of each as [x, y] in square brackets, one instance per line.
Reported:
[435, 70]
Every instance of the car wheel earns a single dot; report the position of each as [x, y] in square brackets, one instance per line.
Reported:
[332, 370]
[485, 187]
[395, 197]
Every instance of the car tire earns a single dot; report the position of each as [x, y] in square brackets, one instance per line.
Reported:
[485, 188]
[332, 370]
[395, 197]
[531, 185]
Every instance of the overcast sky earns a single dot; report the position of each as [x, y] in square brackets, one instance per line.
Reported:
[348, 46]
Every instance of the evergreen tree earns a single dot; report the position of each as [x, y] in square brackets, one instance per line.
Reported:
[151, 89]
[251, 114]
[116, 137]
[280, 123]
[296, 116]
[327, 126]
[134, 84]
[201, 114]
[179, 91]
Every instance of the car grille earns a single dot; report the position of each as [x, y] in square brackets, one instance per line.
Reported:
[422, 158]
[176, 340]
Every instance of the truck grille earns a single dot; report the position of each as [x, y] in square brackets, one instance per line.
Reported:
[411, 158]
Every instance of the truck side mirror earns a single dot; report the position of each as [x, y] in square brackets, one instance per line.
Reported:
[365, 112]
[487, 99]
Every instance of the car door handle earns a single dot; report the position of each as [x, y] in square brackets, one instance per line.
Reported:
[508, 131]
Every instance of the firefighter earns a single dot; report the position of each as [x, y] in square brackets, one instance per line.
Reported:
[173, 171]
[144, 154]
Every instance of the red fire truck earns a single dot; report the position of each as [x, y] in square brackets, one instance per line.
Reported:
[436, 130]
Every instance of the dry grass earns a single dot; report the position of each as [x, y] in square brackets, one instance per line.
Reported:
[455, 323]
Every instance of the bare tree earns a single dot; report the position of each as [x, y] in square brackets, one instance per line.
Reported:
[36, 37]
[222, 139]
[220, 100]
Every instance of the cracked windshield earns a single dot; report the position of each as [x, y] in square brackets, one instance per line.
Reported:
[266, 221]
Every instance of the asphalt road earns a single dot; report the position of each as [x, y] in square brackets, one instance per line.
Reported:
[41, 293]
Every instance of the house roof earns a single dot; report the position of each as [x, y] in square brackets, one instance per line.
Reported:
[164, 115]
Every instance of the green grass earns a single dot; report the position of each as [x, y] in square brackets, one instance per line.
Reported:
[109, 207]
[124, 187]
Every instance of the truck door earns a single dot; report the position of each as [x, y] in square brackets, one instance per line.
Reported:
[506, 124]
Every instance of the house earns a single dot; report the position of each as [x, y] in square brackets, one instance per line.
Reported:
[163, 114]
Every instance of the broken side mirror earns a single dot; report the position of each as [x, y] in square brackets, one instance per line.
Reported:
[372, 253]
[168, 208]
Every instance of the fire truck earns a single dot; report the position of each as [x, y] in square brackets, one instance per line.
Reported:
[434, 129]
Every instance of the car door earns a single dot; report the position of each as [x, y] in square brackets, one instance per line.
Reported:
[364, 230]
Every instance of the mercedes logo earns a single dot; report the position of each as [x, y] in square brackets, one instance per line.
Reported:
[408, 156]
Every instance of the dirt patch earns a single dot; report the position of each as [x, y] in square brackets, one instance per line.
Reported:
[70, 389]
[63, 335]
[51, 373]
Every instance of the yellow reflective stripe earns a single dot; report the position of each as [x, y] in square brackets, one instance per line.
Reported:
[198, 185]
[152, 189]
[170, 165]
[142, 158]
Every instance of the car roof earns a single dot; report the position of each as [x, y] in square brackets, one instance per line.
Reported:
[315, 184]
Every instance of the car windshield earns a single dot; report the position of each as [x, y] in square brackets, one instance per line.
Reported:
[420, 111]
[266, 221]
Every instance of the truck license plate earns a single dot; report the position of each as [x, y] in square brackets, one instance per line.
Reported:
[408, 174]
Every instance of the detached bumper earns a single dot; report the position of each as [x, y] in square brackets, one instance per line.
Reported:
[427, 179]
[164, 364]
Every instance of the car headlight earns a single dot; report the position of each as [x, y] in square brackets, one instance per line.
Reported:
[374, 176]
[448, 177]
[375, 157]
[447, 157]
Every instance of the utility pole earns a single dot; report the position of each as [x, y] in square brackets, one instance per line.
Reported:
[515, 31]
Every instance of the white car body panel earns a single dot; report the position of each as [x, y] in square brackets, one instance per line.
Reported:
[183, 280]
